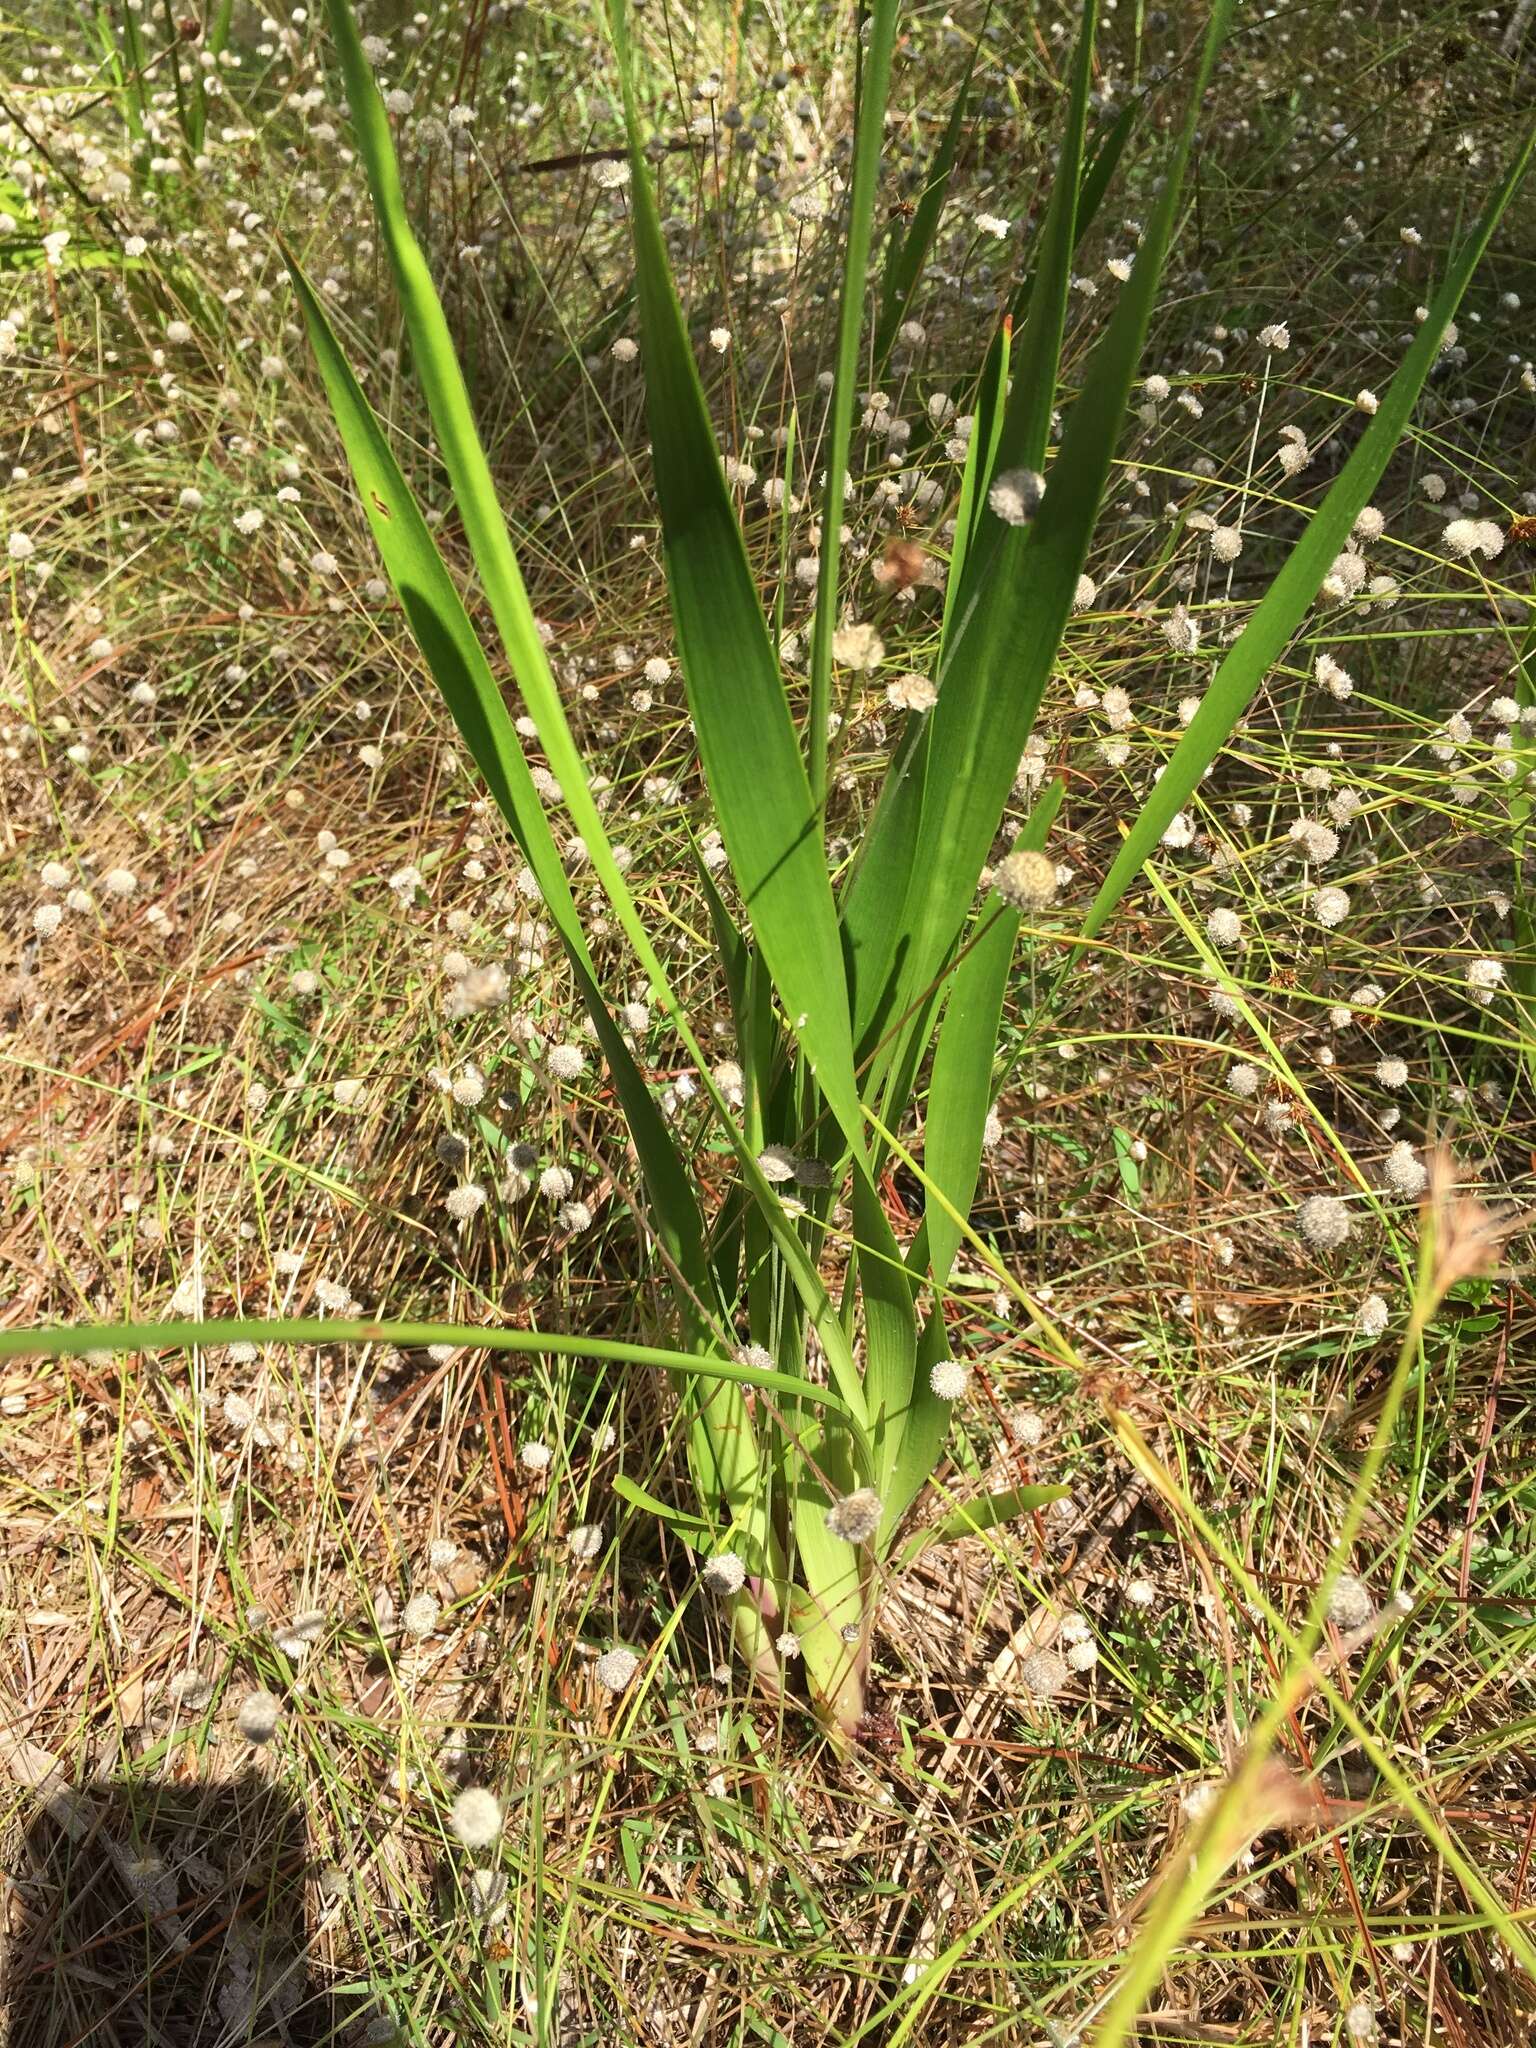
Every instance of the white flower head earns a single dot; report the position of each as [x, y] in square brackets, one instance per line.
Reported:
[1324, 1221]
[1484, 977]
[1463, 538]
[615, 1668]
[911, 692]
[259, 1715]
[858, 647]
[476, 1817]
[856, 1517]
[949, 1379]
[1372, 1316]
[1403, 1171]
[420, 1615]
[1026, 879]
[724, 1573]
[1015, 496]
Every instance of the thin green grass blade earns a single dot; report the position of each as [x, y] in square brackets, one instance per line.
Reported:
[735, 954]
[1520, 949]
[869, 137]
[137, 55]
[189, 111]
[751, 1008]
[187, 1336]
[1007, 631]
[908, 252]
[1285, 603]
[747, 742]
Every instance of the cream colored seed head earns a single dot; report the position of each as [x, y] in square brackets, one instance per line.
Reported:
[1027, 879]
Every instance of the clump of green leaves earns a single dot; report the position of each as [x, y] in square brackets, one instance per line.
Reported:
[842, 997]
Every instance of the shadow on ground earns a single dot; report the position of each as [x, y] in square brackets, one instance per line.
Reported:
[162, 1916]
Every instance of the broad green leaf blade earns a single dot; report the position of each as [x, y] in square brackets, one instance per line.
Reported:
[1037, 348]
[474, 490]
[747, 742]
[980, 460]
[901, 1077]
[1285, 603]
[692, 1528]
[881, 874]
[890, 1325]
[486, 530]
[735, 955]
[874, 81]
[1095, 184]
[1006, 634]
[940, 802]
[1097, 179]
[452, 651]
[926, 1427]
[960, 1095]
[908, 252]
[831, 1598]
[728, 1244]
[992, 1510]
[886, 857]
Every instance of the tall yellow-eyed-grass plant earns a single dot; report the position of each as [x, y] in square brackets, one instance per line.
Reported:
[814, 1423]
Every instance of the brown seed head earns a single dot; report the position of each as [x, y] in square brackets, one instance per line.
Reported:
[905, 561]
[1467, 1235]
